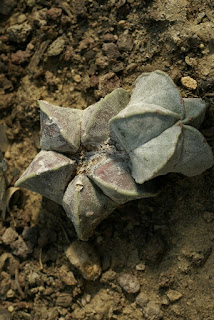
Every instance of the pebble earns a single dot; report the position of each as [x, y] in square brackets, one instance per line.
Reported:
[20, 57]
[111, 50]
[54, 13]
[56, 47]
[77, 78]
[129, 283]
[10, 293]
[189, 83]
[108, 37]
[140, 267]
[173, 295]
[107, 83]
[86, 299]
[19, 32]
[125, 42]
[165, 301]
[191, 61]
[84, 257]
[152, 311]
[67, 276]
[142, 299]
[64, 300]
[16, 243]
[21, 18]
[10, 308]
[9, 236]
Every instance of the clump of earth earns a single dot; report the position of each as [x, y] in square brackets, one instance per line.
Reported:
[152, 258]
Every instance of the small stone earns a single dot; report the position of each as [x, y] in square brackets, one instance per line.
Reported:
[10, 294]
[142, 299]
[64, 300]
[109, 37]
[166, 279]
[189, 83]
[191, 61]
[108, 276]
[54, 13]
[125, 42]
[56, 47]
[41, 289]
[86, 299]
[20, 57]
[77, 78]
[30, 3]
[19, 32]
[21, 18]
[165, 301]
[111, 50]
[107, 83]
[173, 295]
[152, 311]
[16, 243]
[84, 257]
[40, 17]
[129, 283]
[10, 309]
[67, 276]
[9, 236]
[121, 22]
[140, 267]
[102, 61]
[32, 278]
[118, 67]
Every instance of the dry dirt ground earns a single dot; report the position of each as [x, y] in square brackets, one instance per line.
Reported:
[156, 254]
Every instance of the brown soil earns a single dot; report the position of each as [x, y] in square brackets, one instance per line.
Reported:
[162, 245]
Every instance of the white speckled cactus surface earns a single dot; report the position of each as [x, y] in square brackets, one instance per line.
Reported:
[94, 160]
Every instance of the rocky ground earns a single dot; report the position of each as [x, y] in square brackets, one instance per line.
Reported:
[151, 259]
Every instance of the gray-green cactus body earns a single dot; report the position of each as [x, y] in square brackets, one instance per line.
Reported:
[112, 176]
[48, 174]
[155, 130]
[114, 149]
[95, 120]
[60, 128]
[86, 205]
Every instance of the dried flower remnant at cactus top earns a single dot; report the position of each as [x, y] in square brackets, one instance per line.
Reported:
[113, 149]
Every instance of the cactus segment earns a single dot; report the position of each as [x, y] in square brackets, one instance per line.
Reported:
[157, 156]
[96, 117]
[86, 205]
[114, 178]
[159, 89]
[196, 156]
[48, 174]
[194, 111]
[137, 124]
[60, 128]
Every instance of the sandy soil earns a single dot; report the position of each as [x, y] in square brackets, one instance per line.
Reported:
[155, 255]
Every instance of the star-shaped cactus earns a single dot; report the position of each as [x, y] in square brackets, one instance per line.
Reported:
[113, 149]
[158, 130]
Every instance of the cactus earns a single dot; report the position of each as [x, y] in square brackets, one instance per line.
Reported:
[113, 149]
